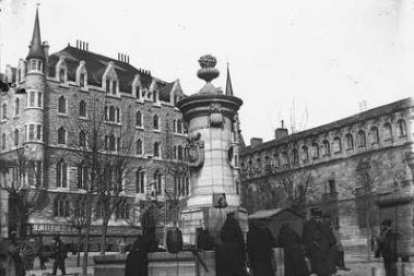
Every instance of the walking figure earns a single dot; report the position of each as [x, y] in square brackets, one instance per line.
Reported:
[60, 255]
[387, 247]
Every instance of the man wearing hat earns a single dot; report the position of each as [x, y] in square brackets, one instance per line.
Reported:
[319, 243]
[387, 247]
[60, 255]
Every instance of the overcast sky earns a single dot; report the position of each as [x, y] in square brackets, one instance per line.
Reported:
[305, 61]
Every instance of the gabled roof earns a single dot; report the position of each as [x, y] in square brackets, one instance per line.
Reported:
[96, 65]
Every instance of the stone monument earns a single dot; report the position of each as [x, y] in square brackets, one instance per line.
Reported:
[212, 122]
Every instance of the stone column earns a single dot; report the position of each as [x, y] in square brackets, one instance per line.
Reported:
[213, 190]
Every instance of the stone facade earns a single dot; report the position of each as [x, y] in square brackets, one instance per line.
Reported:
[65, 93]
[358, 169]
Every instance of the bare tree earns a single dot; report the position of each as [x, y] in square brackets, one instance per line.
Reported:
[22, 180]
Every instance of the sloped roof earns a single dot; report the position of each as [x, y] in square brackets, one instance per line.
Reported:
[96, 65]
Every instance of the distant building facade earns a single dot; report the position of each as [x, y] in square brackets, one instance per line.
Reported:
[63, 91]
[358, 170]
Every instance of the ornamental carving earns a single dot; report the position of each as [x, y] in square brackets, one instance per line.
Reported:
[195, 151]
[216, 118]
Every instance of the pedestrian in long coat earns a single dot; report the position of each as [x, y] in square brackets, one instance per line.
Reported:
[319, 245]
[60, 254]
[387, 247]
[294, 255]
[137, 262]
[259, 248]
[230, 249]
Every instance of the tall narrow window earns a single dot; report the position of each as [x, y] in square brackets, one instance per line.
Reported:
[156, 149]
[326, 148]
[16, 137]
[82, 80]
[112, 114]
[140, 181]
[349, 141]
[31, 132]
[62, 105]
[112, 142]
[402, 131]
[39, 132]
[305, 154]
[155, 122]
[108, 86]
[179, 126]
[118, 115]
[82, 109]
[158, 182]
[139, 146]
[315, 151]
[295, 156]
[3, 141]
[387, 132]
[17, 106]
[40, 99]
[61, 174]
[62, 76]
[82, 177]
[61, 136]
[332, 186]
[154, 96]
[374, 136]
[138, 119]
[82, 138]
[362, 141]
[174, 125]
[337, 145]
[180, 153]
[137, 92]
[114, 87]
[4, 111]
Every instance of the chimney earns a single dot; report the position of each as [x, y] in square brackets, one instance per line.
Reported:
[281, 132]
[82, 45]
[255, 141]
[123, 57]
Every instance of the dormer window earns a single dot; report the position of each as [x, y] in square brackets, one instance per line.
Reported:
[154, 96]
[114, 87]
[82, 80]
[108, 86]
[138, 92]
[62, 75]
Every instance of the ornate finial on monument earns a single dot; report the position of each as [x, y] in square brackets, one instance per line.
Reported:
[207, 71]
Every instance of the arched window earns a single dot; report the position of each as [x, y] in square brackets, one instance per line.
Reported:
[112, 142]
[387, 132]
[362, 141]
[82, 109]
[62, 105]
[326, 148]
[349, 142]
[155, 122]
[17, 106]
[179, 126]
[156, 149]
[305, 154]
[374, 135]
[4, 111]
[337, 145]
[61, 136]
[402, 131]
[112, 114]
[295, 156]
[82, 138]
[139, 146]
[62, 174]
[315, 151]
[140, 180]
[138, 119]
[16, 137]
[158, 182]
[62, 75]
[180, 152]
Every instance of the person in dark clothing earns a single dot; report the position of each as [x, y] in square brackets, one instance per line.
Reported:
[319, 245]
[43, 256]
[204, 240]
[15, 259]
[230, 250]
[259, 248]
[289, 240]
[137, 262]
[60, 254]
[387, 247]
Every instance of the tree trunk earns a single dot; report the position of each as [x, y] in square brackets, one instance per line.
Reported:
[79, 247]
[368, 231]
[87, 236]
[104, 231]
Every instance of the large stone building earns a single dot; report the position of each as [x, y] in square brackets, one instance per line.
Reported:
[57, 103]
[358, 169]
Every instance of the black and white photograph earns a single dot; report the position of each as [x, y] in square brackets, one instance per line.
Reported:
[207, 138]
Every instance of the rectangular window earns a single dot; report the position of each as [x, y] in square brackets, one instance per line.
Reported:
[32, 98]
[39, 99]
[332, 186]
[31, 132]
[118, 143]
[39, 132]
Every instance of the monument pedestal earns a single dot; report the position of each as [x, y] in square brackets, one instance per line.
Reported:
[209, 218]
